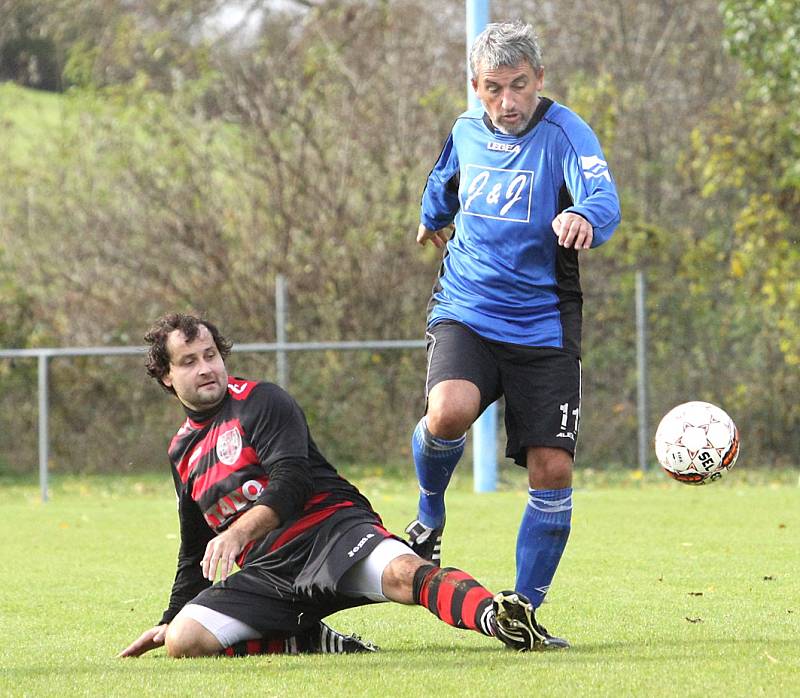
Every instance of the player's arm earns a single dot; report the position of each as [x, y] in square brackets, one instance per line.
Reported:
[280, 438]
[189, 581]
[440, 198]
[595, 212]
[195, 536]
[222, 551]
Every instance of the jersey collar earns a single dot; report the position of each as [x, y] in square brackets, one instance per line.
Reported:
[206, 415]
[541, 109]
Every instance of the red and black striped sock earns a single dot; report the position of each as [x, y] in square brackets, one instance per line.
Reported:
[454, 597]
[261, 646]
[318, 639]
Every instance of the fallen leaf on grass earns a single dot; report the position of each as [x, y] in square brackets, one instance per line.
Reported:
[695, 593]
[694, 620]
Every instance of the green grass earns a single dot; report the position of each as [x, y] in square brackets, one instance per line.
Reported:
[664, 590]
[27, 119]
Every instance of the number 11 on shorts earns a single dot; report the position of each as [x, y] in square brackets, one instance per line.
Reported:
[566, 432]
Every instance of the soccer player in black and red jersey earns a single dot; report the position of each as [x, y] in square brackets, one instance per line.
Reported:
[254, 491]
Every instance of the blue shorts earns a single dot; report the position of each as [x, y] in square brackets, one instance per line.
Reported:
[541, 385]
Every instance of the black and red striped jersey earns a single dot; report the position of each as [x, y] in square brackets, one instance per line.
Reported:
[253, 448]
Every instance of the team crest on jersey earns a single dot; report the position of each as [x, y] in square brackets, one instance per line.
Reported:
[229, 446]
[594, 167]
[500, 194]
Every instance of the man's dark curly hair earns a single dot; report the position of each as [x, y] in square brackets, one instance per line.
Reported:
[157, 360]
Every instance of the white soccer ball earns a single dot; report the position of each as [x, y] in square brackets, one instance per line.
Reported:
[696, 442]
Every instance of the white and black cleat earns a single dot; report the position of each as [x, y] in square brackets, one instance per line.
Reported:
[425, 541]
[516, 624]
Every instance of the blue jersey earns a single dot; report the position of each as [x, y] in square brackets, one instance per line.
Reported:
[504, 274]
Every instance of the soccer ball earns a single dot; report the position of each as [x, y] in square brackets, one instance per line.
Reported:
[696, 442]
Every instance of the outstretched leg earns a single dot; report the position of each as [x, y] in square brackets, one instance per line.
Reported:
[458, 599]
[455, 597]
[391, 573]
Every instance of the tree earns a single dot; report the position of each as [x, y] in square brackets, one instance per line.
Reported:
[745, 173]
[185, 169]
[27, 55]
[197, 197]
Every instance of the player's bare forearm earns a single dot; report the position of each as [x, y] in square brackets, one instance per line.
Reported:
[222, 551]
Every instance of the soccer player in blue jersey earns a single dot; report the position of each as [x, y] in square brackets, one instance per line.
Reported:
[522, 186]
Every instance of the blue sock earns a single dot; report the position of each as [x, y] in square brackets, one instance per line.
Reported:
[435, 460]
[542, 538]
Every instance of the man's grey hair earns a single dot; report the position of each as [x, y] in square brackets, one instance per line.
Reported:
[505, 44]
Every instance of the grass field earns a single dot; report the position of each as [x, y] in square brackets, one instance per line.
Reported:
[664, 590]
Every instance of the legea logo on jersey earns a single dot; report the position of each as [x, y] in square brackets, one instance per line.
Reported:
[504, 147]
[492, 192]
[593, 166]
[229, 446]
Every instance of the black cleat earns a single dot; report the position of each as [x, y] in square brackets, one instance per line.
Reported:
[516, 626]
[426, 542]
[551, 642]
[326, 640]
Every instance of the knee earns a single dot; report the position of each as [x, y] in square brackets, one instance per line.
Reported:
[187, 638]
[549, 468]
[448, 421]
[398, 578]
[453, 406]
[178, 641]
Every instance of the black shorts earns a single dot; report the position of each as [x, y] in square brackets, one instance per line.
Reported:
[541, 385]
[287, 592]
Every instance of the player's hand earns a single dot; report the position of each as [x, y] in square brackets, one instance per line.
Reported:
[438, 237]
[221, 552]
[148, 640]
[573, 230]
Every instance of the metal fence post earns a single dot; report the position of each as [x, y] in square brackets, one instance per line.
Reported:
[641, 368]
[280, 331]
[44, 439]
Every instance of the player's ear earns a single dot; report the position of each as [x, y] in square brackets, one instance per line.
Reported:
[166, 379]
[474, 84]
[540, 79]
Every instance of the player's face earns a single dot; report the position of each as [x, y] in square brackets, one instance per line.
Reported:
[197, 372]
[509, 95]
